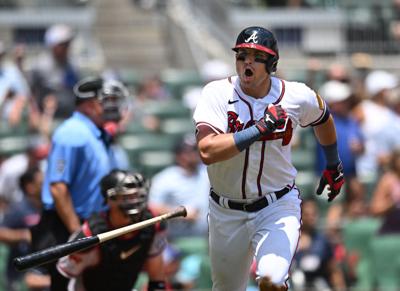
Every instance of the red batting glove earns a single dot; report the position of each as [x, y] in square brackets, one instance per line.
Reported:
[334, 178]
[275, 116]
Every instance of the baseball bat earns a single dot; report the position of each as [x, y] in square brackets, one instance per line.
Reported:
[53, 253]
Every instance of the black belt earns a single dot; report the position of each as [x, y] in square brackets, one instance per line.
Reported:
[253, 206]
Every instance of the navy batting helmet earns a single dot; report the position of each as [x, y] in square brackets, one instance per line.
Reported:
[262, 39]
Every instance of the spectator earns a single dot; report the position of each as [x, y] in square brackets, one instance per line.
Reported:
[20, 216]
[14, 91]
[394, 23]
[350, 140]
[79, 158]
[54, 75]
[149, 92]
[380, 126]
[184, 183]
[116, 264]
[13, 167]
[385, 202]
[314, 265]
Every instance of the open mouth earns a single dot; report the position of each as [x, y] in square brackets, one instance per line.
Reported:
[248, 73]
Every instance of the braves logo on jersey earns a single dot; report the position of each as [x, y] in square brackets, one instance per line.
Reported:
[284, 132]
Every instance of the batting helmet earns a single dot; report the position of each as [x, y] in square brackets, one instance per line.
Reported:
[262, 39]
[132, 187]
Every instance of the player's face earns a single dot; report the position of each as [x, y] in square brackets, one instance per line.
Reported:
[95, 112]
[250, 67]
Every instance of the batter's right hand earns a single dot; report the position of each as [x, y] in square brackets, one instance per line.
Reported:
[274, 117]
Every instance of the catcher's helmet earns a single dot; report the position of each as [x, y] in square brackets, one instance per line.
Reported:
[133, 188]
[113, 96]
[262, 39]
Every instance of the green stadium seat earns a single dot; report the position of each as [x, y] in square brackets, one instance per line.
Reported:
[136, 144]
[177, 80]
[13, 145]
[386, 262]
[192, 245]
[306, 182]
[147, 141]
[177, 126]
[3, 262]
[134, 127]
[168, 109]
[151, 162]
[303, 159]
[130, 77]
[196, 249]
[358, 235]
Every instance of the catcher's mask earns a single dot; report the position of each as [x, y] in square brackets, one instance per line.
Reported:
[113, 97]
[129, 190]
[259, 38]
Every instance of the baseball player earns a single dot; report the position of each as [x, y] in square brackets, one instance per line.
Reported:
[115, 265]
[244, 126]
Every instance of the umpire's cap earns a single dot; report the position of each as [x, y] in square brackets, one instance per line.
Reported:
[89, 87]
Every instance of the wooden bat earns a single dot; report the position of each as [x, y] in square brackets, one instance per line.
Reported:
[55, 252]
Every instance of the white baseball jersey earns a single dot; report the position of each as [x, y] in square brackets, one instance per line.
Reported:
[266, 165]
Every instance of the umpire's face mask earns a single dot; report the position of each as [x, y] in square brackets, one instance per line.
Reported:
[112, 108]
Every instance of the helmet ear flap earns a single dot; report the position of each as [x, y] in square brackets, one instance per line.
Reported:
[271, 64]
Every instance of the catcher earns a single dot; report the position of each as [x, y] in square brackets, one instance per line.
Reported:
[116, 264]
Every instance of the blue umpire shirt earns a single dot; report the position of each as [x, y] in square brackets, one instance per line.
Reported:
[79, 157]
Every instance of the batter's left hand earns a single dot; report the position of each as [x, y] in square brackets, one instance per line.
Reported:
[334, 178]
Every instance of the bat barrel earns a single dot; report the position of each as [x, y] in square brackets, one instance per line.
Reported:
[53, 253]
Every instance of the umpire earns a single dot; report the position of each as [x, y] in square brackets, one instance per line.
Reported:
[79, 158]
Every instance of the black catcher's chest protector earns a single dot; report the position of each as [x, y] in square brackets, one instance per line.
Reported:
[121, 259]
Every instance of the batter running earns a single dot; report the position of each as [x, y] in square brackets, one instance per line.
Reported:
[244, 125]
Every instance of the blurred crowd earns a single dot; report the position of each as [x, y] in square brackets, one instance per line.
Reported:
[364, 101]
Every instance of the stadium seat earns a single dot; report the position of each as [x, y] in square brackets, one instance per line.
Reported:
[168, 109]
[177, 126]
[3, 262]
[151, 162]
[148, 151]
[192, 245]
[130, 77]
[147, 141]
[357, 235]
[303, 159]
[177, 80]
[386, 262]
[13, 144]
[134, 127]
[195, 252]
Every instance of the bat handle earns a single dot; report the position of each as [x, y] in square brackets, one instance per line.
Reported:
[53, 253]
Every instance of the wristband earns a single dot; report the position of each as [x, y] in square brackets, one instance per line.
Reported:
[243, 139]
[331, 154]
